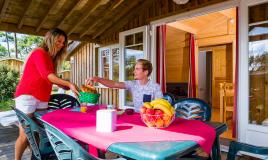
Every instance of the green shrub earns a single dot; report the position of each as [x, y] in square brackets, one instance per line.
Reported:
[5, 105]
[8, 81]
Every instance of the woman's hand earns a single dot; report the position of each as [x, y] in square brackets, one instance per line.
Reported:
[91, 80]
[74, 88]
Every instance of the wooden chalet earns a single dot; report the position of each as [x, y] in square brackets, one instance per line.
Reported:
[15, 64]
[218, 47]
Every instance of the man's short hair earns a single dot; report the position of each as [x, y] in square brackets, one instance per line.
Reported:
[146, 65]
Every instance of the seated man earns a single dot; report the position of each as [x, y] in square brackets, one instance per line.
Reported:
[142, 88]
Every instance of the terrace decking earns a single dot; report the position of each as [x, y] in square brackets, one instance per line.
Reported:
[8, 136]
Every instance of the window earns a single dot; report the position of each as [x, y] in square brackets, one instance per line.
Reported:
[109, 62]
[134, 46]
[258, 64]
[133, 52]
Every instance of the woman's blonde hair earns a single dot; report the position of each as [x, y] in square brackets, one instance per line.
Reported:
[146, 65]
[49, 44]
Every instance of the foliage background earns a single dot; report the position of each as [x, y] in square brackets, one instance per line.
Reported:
[9, 79]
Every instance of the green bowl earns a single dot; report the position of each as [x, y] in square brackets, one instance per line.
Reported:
[86, 97]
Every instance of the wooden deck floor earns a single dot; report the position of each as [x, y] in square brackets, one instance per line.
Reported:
[8, 136]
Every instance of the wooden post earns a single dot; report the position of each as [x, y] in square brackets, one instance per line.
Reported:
[221, 101]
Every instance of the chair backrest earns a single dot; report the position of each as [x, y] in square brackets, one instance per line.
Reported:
[64, 146]
[169, 97]
[31, 129]
[61, 101]
[193, 108]
[228, 93]
[235, 147]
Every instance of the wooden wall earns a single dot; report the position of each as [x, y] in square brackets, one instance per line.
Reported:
[64, 74]
[13, 64]
[108, 96]
[157, 9]
[84, 65]
[177, 56]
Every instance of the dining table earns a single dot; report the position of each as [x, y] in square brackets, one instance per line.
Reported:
[133, 139]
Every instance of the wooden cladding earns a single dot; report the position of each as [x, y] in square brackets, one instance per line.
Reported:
[258, 13]
[82, 64]
[108, 96]
[14, 64]
[177, 56]
[94, 21]
[154, 10]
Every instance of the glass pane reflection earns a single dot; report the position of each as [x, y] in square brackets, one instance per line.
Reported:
[132, 54]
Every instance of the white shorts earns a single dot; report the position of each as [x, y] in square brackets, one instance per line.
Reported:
[29, 104]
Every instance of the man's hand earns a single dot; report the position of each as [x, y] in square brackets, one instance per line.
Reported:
[92, 80]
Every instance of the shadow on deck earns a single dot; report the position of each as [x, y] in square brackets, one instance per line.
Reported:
[8, 136]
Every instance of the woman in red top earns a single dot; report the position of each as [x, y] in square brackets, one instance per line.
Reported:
[33, 91]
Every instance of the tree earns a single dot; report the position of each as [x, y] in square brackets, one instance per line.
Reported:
[16, 45]
[9, 80]
[8, 51]
[6, 37]
[27, 43]
[3, 51]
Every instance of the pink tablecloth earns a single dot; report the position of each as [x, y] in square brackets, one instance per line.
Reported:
[130, 128]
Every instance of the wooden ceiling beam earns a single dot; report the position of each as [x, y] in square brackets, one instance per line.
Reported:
[28, 4]
[99, 3]
[55, 2]
[120, 22]
[32, 31]
[3, 10]
[69, 13]
[107, 13]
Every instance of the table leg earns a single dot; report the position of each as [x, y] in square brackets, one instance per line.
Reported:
[216, 151]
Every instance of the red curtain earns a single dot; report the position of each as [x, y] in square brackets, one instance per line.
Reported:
[236, 79]
[161, 56]
[192, 73]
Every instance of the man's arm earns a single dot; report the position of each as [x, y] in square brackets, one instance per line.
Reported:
[106, 82]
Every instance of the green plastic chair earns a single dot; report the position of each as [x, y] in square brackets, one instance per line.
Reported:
[41, 150]
[197, 109]
[193, 108]
[169, 97]
[62, 101]
[65, 147]
[235, 147]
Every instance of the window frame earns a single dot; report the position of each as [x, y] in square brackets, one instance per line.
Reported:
[100, 70]
[146, 48]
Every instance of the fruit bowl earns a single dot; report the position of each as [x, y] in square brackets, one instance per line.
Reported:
[158, 113]
[157, 120]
